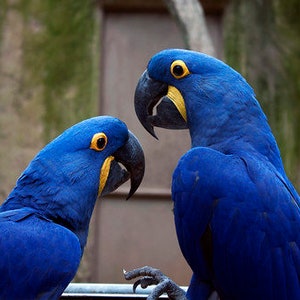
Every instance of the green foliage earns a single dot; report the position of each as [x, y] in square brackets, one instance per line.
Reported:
[261, 41]
[48, 75]
[2, 14]
[61, 54]
[289, 27]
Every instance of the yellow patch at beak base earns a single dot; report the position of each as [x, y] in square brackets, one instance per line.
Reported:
[175, 96]
[104, 173]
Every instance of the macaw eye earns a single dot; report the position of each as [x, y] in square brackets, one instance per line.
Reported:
[179, 69]
[99, 141]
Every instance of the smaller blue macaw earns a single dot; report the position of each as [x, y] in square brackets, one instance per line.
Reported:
[44, 221]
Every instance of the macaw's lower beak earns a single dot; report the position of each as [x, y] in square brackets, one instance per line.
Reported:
[131, 156]
[170, 111]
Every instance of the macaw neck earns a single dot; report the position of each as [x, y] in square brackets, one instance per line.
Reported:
[236, 134]
[69, 217]
[65, 203]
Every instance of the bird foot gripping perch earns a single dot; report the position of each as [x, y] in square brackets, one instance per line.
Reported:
[151, 276]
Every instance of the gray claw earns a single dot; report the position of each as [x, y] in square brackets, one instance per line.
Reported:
[144, 282]
[151, 276]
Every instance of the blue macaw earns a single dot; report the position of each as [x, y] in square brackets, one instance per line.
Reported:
[44, 221]
[237, 214]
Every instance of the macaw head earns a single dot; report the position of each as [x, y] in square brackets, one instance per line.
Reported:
[90, 159]
[196, 91]
[90, 153]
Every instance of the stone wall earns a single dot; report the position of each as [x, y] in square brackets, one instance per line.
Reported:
[48, 76]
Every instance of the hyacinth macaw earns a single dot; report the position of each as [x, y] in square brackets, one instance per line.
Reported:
[44, 221]
[236, 213]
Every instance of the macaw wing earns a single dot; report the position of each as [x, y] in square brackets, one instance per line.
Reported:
[37, 255]
[237, 225]
[193, 211]
[192, 216]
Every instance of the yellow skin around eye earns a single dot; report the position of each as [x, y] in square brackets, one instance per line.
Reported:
[173, 93]
[182, 64]
[104, 172]
[95, 138]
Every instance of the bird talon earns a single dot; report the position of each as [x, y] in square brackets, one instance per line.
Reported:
[152, 276]
[135, 285]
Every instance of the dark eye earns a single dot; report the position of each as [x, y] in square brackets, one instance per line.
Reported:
[101, 143]
[98, 141]
[179, 69]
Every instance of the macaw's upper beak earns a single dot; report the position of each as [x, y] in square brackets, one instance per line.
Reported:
[148, 94]
[131, 156]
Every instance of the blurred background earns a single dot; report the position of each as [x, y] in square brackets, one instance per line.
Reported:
[64, 61]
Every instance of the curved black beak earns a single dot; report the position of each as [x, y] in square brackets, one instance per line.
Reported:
[148, 94]
[131, 156]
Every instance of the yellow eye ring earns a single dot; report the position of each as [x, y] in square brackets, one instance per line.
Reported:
[99, 141]
[179, 69]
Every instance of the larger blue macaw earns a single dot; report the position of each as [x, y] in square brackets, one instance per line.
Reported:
[44, 221]
[237, 215]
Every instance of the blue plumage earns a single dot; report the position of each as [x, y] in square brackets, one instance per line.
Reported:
[237, 215]
[39, 257]
[44, 221]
